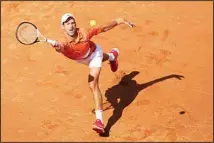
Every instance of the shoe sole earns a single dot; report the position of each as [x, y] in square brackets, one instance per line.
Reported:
[97, 129]
[117, 66]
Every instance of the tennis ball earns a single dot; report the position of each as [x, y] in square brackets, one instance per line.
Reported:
[92, 23]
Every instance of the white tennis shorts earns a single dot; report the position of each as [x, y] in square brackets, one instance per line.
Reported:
[95, 59]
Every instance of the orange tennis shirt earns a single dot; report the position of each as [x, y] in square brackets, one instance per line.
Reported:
[80, 47]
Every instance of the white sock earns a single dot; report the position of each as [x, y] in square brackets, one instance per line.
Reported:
[111, 56]
[99, 115]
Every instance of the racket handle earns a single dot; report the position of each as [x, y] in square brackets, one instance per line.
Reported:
[52, 42]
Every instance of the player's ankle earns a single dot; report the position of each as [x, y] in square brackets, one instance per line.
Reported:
[99, 115]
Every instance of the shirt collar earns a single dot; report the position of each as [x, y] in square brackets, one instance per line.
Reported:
[70, 40]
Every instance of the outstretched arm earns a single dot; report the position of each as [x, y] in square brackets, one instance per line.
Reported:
[116, 22]
[94, 31]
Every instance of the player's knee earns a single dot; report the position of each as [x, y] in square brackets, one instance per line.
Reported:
[91, 82]
[93, 85]
[90, 78]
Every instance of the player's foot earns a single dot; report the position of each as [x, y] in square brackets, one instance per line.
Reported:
[98, 126]
[114, 63]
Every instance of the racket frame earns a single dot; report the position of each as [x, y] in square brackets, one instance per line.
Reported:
[37, 31]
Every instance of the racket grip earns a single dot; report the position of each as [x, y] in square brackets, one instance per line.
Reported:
[52, 42]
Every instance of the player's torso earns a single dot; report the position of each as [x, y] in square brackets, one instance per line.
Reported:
[79, 47]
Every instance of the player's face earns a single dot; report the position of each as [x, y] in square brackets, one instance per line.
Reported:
[70, 27]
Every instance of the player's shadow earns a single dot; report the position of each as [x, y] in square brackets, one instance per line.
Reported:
[124, 93]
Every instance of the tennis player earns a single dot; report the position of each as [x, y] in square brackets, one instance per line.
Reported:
[78, 46]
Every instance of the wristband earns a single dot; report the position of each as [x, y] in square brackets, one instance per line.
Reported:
[52, 42]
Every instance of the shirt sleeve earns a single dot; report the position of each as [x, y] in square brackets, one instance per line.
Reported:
[94, 31]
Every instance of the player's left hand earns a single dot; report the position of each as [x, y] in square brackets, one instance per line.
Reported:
[129, 24]
[124, 21]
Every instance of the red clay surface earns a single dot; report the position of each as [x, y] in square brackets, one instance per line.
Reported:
[45, 96]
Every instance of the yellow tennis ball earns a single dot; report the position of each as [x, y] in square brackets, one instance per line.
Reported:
[93, 22]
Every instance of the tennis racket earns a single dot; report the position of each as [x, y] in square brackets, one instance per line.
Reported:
[27, 33]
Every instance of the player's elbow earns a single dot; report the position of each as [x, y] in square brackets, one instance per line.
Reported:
[104, 29]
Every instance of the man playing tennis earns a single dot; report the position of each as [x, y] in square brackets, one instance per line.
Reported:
[79, 47]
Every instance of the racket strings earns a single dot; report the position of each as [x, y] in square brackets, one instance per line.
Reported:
[27, 33]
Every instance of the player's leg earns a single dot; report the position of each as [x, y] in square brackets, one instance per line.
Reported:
[105, 57]
[95, 65]
[93, 81]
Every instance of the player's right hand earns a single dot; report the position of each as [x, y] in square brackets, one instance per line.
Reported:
[57, 47]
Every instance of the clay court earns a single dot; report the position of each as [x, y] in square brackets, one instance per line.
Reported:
[163, 90]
